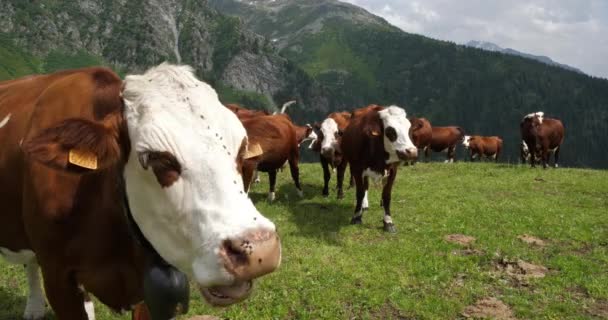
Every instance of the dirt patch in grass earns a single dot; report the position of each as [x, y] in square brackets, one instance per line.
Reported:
[468, 252]
[388, 311]
[520, 271]
[488, 308]
[599, 309]
[532, 240]
[459, 239]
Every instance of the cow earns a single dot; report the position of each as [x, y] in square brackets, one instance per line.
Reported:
[374, 143]
[329, 135]
[244, 113]
[305, 133]
[543, 136]
[121, 189]
[479, 146]
[445, 139]
[277, 137]
[421, 133]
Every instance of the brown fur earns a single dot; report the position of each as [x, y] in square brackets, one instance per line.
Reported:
[543, 137]
[485, 147]
[74, 222]
[276, 134]
[445, 138]
[421, 133]
[244, 113]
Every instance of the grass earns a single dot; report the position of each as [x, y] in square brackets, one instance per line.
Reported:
[332, 270]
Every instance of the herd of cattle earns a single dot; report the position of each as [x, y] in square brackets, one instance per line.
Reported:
[125, 189]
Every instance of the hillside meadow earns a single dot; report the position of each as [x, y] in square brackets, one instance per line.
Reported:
[473, 239]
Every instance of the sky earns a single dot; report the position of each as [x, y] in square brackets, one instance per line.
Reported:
[573, 32]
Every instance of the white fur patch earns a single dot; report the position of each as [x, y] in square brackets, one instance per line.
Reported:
[466, 141]
[376, 177]
[365, 202]
[35, 306]
[538, 114]
[396, 118]
[271, 196]
[388, 219]
[169, 110]
[5, 120]
[89, 307]
[329, 127]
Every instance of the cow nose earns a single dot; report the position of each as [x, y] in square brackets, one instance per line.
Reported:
[253, 255]
[327, 152]
[408, 154]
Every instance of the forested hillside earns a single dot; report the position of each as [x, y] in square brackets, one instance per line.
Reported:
[362, 59]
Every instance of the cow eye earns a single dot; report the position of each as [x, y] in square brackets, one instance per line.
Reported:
[339, 133]
[391, 133]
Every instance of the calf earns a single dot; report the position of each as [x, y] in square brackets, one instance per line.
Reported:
[374, 143]
[543, 136]
[445, 139]
[277, 137]
[421, 133]
[329, 136]
[478, 146]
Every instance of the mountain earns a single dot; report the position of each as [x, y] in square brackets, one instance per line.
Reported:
[489, 46]
[361, 59]
[130, 36]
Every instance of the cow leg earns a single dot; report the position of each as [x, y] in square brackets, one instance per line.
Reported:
[556, 157]
[532, 149]
[326, 176]
[35, 306]
[295, 173]
[389, 226]
[451, 154]
[64, 296]
[89, 307]
[272, 178]
[340, 179]
[256, 177]
[360, 194]
[545, 156]
[248, 168]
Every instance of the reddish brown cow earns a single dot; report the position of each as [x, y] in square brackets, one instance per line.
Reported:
[277, 137]
[421, 133]
[244, 113]
[68, 164]
[329, 135]
[445, 139]
[478, 146]
[374, 143]
[542, 136]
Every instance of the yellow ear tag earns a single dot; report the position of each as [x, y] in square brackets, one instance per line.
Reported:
[375, 133]
[253, 151]
[83, 159]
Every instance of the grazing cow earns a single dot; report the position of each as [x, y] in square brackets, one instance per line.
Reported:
[478, 146]
[421, 133]
[111, 187]
[329, 136]
[445, 139]
[374, 143]
[277, 137]
[543, 136]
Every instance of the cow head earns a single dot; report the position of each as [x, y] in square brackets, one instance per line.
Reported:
[329, 137]
[397, 141]
[533, 122]
[466, 141]
[184, 185]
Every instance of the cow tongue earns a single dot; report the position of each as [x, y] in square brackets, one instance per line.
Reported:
[227, 295]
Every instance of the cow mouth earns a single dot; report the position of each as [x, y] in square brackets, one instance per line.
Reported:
[221, 296]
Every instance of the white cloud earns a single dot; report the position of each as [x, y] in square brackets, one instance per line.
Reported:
[569, 31]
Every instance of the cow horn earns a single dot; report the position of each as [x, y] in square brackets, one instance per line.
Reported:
[253, 150]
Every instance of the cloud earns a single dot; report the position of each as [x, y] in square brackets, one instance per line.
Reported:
[571, 32]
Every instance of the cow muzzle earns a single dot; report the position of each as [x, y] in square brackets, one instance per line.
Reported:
[327, 152]
[246, 258]
[408, 154]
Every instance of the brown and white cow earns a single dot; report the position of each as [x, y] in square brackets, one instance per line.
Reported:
[445, 139]
[374, 143]
[329, 136]
[92, 166]
[543, 136]
[479, 146]
[524, 153]
[421, 133]
[244, 113]
[278, 139]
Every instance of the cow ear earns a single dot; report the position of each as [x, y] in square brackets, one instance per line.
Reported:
[164, 164]
[75, 145]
